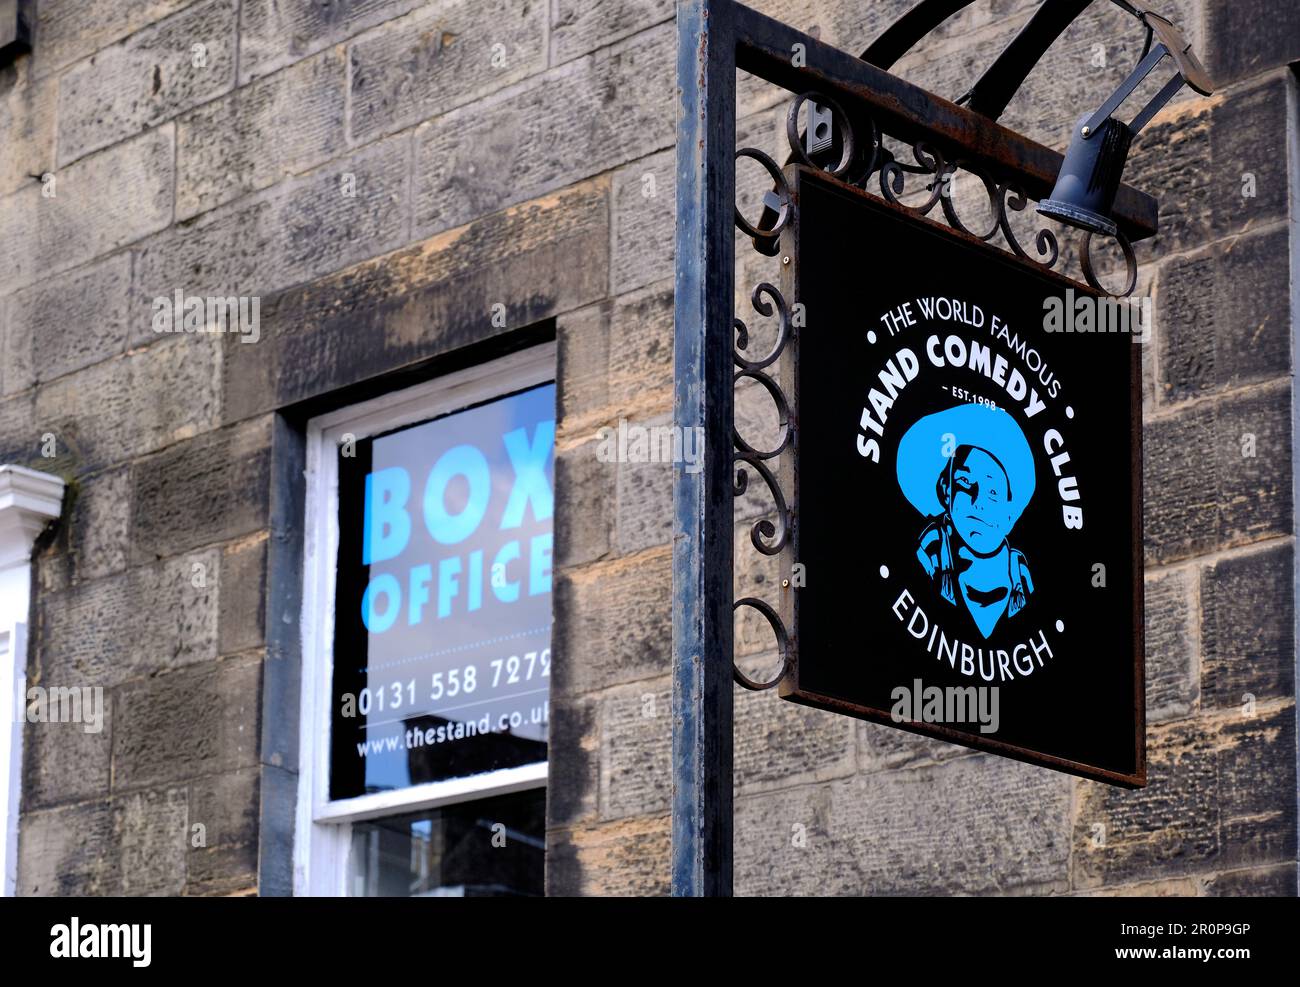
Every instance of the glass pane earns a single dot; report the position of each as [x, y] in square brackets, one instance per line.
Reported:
[442, 626]
[487, 848]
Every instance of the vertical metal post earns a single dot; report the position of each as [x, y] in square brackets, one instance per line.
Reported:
[702, 500]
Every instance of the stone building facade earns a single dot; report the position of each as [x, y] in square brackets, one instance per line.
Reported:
[413, 188]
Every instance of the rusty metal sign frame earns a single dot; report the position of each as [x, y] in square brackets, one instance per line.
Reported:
[717, 38]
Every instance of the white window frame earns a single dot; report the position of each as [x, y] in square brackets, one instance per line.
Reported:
[323, 830]
[29, 500]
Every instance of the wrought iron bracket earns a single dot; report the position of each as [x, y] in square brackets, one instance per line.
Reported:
[712, 344]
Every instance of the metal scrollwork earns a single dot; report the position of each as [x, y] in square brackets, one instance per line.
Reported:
[950, 209]
[892, 180]
[768, 536]
[1130, 264]
[782, 408]
[782, 643]
[782, 191]
[1009, 196]
[765, 309]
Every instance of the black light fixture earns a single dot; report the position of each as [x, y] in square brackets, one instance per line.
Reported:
[15, 30]
[1094, 164]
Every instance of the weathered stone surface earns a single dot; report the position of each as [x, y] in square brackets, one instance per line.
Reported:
[100, 524]
[882, 747]
[636, 732]
[107, 631]
[1257, 785]
[624, 858]
[222, 870]
[507, 148]
[441, 57]
[1217, 474]
[784, 844]
[1250, 37]
[27, 119]
[573, 753]
[222, 857]
[132, 405]
[210, 489]
[1199, 156]
[779, 743]
[1171, 646]
[80, 320]
[612, 623]
[1248, 629]
[1218, 795]
[64, 762]
[202, 720]
[19, 441]
[48, 233]
[1263, 882]
[69, 852]
[15, 356]
[274, 33]
[643, 514]
[302, 228]
[578, 27]
[644, 221]
[537, 260]
[997, 826]
[260, 133]
[585, 497]
[148, 78]
[66, 32]
[242, 593]
[153, 839]
[640, 375]
[582, 361]
[1223, 316]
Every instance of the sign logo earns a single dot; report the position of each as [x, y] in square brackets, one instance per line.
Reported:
[969, 471]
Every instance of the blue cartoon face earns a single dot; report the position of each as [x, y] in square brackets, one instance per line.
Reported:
[980, 503]
[971, 497]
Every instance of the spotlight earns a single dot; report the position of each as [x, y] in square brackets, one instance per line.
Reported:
[1094, 164]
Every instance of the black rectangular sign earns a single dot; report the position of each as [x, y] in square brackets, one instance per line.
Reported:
[967, 482]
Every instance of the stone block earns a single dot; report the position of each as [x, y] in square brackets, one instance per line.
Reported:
[561, 127]
[199, 721]
[1218, 474]
[612, 623]
[50, 227]
[441, 57]
[147, 78]
[210, 489]
[254, 136]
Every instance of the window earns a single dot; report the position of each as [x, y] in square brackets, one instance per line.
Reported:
[427, 637]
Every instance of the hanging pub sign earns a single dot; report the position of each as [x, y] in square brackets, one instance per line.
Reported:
[967, 470]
